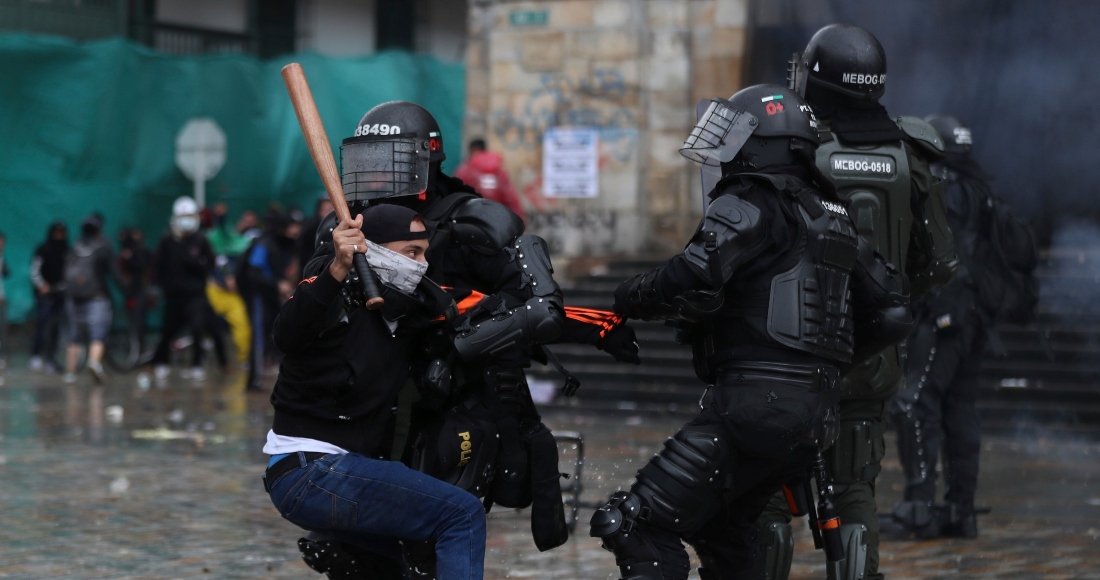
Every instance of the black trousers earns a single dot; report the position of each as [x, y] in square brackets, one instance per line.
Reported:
[763, 422]
[937, 408]
[182, 312]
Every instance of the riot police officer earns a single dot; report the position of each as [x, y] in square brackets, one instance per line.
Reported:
[511, 303]
[776, 293]
[881, 166]
[937, 404]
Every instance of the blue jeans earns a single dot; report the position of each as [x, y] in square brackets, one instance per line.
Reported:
[360, 500]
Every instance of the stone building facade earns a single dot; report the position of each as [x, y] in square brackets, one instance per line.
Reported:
[633, 69]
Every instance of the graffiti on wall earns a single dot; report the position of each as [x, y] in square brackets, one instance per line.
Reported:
[598, 100]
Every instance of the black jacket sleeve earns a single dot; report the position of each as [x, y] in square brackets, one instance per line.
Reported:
[315, 306]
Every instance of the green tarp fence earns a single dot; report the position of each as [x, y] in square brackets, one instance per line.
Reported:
[90, 127]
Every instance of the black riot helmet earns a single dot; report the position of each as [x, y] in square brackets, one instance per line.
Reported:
[843, 59]
[956, 136]
[391, 153]
[759, 126]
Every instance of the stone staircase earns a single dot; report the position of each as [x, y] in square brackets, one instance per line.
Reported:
[1046, 380]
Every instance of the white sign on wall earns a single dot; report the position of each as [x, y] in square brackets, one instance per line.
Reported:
[571, 162]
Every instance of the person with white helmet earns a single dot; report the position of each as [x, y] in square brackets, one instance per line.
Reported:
[184, 262]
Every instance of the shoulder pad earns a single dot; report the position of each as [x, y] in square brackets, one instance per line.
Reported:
[484, 224]
[734, 212]
[732, 228]
[922, 134]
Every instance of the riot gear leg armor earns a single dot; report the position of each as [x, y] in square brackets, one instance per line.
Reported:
[683, 482]
[641, 552]
[855, 551]
[778, 551]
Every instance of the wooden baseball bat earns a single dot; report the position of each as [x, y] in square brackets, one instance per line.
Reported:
[317, 141]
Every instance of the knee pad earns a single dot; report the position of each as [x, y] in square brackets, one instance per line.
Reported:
[619, 525]
[682, 482]
[853, 538]
[338, 560]
[778, 551]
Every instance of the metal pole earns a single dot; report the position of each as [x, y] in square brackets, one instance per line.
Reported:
[200, 181]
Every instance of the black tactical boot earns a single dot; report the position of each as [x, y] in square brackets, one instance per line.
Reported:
[958, 522]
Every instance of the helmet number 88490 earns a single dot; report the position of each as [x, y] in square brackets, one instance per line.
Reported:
[377, 129]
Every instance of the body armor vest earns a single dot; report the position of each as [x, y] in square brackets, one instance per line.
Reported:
[802, 302]
[809, 306]
[876, 180]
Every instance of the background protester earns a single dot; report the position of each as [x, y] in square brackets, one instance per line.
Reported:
[88, 267]
[267, 275]
[184, 262]
[135, 266]
[222, 291]
[484, 171]
[47, 273]
[307, 241]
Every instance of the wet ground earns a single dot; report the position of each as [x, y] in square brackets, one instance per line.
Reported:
[136, 479]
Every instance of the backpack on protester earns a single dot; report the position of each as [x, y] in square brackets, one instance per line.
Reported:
[82, 281]
[1004, 262]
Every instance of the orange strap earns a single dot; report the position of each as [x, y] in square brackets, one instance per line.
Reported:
[791, 503]
[605, 319]
[829, 524]
[467, 303]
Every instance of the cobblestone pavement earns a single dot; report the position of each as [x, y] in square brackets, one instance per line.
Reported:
[120, 481]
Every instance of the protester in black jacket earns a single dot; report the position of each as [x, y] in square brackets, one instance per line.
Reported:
[184, 262]
[265, 279]
[48, 276]
[342, 369]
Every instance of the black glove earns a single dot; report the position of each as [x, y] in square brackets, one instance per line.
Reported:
[638, 298]
[621, 343]
[627, 296]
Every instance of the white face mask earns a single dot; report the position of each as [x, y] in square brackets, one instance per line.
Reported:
[183, 225]
[394, 269]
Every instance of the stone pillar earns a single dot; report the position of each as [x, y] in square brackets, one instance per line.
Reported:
[631, 68]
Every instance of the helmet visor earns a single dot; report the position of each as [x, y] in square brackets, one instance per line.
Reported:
[383, 166]
[719, 134]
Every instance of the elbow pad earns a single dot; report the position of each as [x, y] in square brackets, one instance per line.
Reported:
[731, 229]
[536, 274]
[539, 321]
